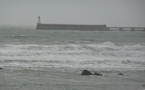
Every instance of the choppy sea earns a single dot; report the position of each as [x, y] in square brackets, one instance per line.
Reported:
[54, 59]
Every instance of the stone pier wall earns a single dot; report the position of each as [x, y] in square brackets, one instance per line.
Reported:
[70, 27]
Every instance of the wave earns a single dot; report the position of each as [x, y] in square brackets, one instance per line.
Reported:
[20, 27]
[22, 35]
[74, 52]
[78, 46]
[88, 64]
[18, 37]
[106, 48]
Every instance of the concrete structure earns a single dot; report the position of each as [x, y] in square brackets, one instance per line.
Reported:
[70, 27]
[84, 27]
[127, 28]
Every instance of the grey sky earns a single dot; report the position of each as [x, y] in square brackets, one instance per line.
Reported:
[109, 12]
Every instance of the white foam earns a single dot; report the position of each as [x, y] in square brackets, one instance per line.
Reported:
[101, 55]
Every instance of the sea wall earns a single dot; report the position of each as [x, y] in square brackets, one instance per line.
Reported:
[70, 27]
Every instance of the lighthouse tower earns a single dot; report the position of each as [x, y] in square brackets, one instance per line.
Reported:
[39, 19]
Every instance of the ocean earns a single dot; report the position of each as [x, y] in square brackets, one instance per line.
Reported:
[33, 59]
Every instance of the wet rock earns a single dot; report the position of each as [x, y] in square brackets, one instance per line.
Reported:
[98, 74]
[143, 85]
[86, 72]
[120, 74]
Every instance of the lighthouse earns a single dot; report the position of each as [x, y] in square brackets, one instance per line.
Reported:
[38, 19]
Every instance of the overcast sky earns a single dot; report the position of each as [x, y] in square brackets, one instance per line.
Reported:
[109, 12]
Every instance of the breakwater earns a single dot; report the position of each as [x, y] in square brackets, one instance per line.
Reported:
[71, 27]
[127, 28]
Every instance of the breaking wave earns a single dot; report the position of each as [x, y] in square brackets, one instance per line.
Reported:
[101, 55]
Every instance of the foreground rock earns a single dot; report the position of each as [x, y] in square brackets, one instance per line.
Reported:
[86, 72]
[143, 85]
[98, 74]
[120, 74]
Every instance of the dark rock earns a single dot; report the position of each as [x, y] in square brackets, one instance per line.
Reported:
[86, 72]
[1, 68]
[120, 74]
[143, 85]
[98, 74]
